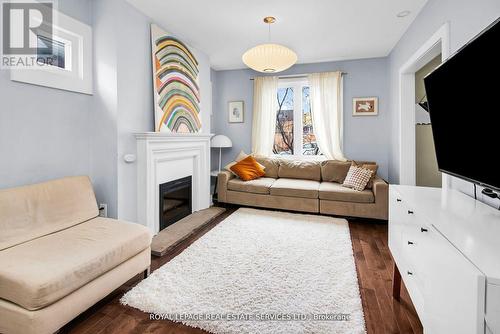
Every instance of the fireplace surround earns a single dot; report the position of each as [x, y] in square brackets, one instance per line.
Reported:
[165, 157]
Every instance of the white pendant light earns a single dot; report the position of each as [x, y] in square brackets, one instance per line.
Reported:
[269, 57]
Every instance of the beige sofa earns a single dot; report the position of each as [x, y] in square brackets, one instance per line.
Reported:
[307, 186]
[58, 258]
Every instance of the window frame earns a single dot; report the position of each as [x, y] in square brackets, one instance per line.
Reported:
[77, 76]
[297, 84]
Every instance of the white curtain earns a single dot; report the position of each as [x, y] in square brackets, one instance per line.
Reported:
[265, 106]
[326, 112]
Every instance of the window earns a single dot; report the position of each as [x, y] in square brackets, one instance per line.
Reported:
[294, 129]
[69, 57]
[54, 52]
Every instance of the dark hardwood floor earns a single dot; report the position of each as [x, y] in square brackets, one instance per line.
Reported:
[374, 265]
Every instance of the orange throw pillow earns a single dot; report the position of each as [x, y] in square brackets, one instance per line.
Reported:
[248, 169]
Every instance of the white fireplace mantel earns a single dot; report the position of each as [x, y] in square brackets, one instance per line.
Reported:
[164, 157]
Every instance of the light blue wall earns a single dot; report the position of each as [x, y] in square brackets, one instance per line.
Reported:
[47, 133]
[78, 9]
[365, 138]
[44, 132]
[123, 103]
[135, 103]
[466, 18]
[104, 113]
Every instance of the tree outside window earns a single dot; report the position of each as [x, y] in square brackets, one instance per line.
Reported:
[294, 133]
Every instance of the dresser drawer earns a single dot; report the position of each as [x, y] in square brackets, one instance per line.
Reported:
[444, 245]
[413, 282]
[400, 216]
[413, 245]
[400, 212]
[454, 289]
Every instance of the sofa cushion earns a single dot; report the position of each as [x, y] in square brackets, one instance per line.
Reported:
[300, 169]
[336, 192]
[271, 165]
[33, 211]
[334, 170]
[41, 271]
[295, 188]
[257, 186]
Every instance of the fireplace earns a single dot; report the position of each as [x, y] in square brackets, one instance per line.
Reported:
[163, 157]
[175, 201]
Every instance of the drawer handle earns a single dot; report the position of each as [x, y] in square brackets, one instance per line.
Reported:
[409, 273]
[410, 243]
[410, 212]
[398, 199]
[423, 229]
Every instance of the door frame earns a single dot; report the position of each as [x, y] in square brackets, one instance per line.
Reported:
[438, 43]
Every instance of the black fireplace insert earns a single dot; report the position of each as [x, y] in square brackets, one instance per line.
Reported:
[175, 201]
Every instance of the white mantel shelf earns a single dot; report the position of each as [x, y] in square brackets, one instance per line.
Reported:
[173, 136]
[164, 157]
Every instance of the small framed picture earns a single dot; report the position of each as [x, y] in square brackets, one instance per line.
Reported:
[236, 111]
[365, 106]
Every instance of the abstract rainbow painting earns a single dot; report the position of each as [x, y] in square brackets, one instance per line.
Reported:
[176, 88]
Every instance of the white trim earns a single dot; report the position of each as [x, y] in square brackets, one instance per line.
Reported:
[296, 84]
[298, 119]
[171, 136]
[342, 122]
[163, 157]
[78, 78]
[439, 42]
[293, 80]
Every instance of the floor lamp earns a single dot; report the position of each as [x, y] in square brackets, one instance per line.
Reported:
[220, 142]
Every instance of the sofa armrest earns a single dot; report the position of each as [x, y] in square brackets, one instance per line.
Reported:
[381, 193]
[222, 180]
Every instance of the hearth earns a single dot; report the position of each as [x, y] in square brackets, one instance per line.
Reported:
[175, 201]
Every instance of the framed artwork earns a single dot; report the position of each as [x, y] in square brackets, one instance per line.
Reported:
[236, 111]
[365, 106]
[175, 84]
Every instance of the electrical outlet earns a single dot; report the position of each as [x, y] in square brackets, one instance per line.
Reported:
[103, 210]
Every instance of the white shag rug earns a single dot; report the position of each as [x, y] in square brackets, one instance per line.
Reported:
[257, 266]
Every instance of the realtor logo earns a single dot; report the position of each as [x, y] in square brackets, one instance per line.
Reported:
[26, 26]
[23, 22]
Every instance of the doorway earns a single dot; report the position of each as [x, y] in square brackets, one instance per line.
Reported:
[437, 45]
[427, 172]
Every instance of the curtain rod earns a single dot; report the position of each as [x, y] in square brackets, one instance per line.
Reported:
[297, 76]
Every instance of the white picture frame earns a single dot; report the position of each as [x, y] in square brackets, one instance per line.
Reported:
[236, 111]
[365, 106]
[77, 77]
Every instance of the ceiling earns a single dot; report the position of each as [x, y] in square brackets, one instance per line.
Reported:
[317, 30]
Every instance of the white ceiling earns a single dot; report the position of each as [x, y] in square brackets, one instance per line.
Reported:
[317, 30]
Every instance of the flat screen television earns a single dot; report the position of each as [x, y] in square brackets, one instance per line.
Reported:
[463, 96]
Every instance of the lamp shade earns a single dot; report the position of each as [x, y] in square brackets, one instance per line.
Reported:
[221, 141]
[269, 58]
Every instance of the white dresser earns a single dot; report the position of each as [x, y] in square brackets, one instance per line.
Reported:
[447, 252]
